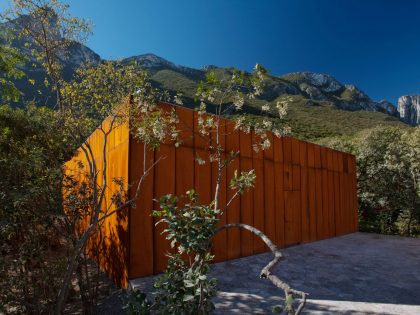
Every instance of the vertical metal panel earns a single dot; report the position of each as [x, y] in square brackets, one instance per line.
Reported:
[311, 155]
[318, 205]
[141, 221]
[337, 204]
[303, 161]
[278, 149]
[233, 212]
[247, 199]
[164, 184]
[325, 210]
[184, 177]
[342, 204]
[202, 176]
[304, 202]
[312, 203]
[269, 201]
[288, 176]
[295, 151]
[185, 125]
[292, 215]
[331, 214]
[279, 204]
[317, 156]
[259, 207]
[287, 150]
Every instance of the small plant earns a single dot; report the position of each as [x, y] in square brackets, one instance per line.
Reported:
[185, 288]
[136, 303]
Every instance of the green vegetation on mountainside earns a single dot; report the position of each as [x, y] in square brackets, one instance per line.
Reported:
[310, 122]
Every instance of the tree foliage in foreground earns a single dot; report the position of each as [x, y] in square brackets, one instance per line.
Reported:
[47, 30]
[10, 59]
[388, 173]
[32, 150]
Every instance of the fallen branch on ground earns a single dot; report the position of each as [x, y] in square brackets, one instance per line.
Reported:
[266, 271]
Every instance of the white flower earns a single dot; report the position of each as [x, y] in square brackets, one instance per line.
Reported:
[246, 129]
[257, 90]
[282, 108]
[174, 134]
[141, 132]
[277, 133]
[202, 106]
[199, 160]
[239, 122]
[267, 124]
[265, 107]
[210, 122]
[238, 102]
[158, 130]
[265, 144]
[287, 130]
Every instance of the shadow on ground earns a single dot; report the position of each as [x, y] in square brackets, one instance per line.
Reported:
[359, 273]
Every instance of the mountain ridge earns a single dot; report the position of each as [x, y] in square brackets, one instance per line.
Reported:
[320, 105]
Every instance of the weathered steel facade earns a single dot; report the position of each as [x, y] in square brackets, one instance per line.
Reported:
[303, 193]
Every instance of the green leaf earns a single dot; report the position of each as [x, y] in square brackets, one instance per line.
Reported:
[202, 277]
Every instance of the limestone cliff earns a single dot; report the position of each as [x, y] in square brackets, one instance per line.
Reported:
[409, 109]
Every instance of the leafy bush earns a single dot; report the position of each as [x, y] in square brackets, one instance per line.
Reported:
[388, 173]
[32, 150]
[184, 287]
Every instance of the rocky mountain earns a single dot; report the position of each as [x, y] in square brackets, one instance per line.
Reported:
[310, 85]
[409, 109]
[320, 105]
[323, 87]
[75, 56]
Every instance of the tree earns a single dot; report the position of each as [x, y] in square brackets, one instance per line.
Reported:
[97, 93]
[48, 30]
[32, 150]
[388, 178]
[10, 59]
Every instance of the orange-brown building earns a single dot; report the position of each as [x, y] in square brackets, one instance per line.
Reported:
[303, 193]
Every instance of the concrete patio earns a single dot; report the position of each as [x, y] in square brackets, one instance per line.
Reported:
[360, 273]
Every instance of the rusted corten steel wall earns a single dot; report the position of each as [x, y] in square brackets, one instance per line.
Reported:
[303, 193]
[112, 252]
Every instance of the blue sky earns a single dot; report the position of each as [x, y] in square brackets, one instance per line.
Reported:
[374, 44]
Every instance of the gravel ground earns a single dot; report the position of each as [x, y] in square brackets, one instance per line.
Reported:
[360, 273]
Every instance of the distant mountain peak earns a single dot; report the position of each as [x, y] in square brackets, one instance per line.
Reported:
[310, 88]
[324, 81]
[151, 61]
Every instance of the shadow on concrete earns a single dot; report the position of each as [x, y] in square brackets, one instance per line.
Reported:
[358, 273]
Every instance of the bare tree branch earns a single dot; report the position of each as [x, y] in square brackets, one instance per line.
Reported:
[266, 271]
